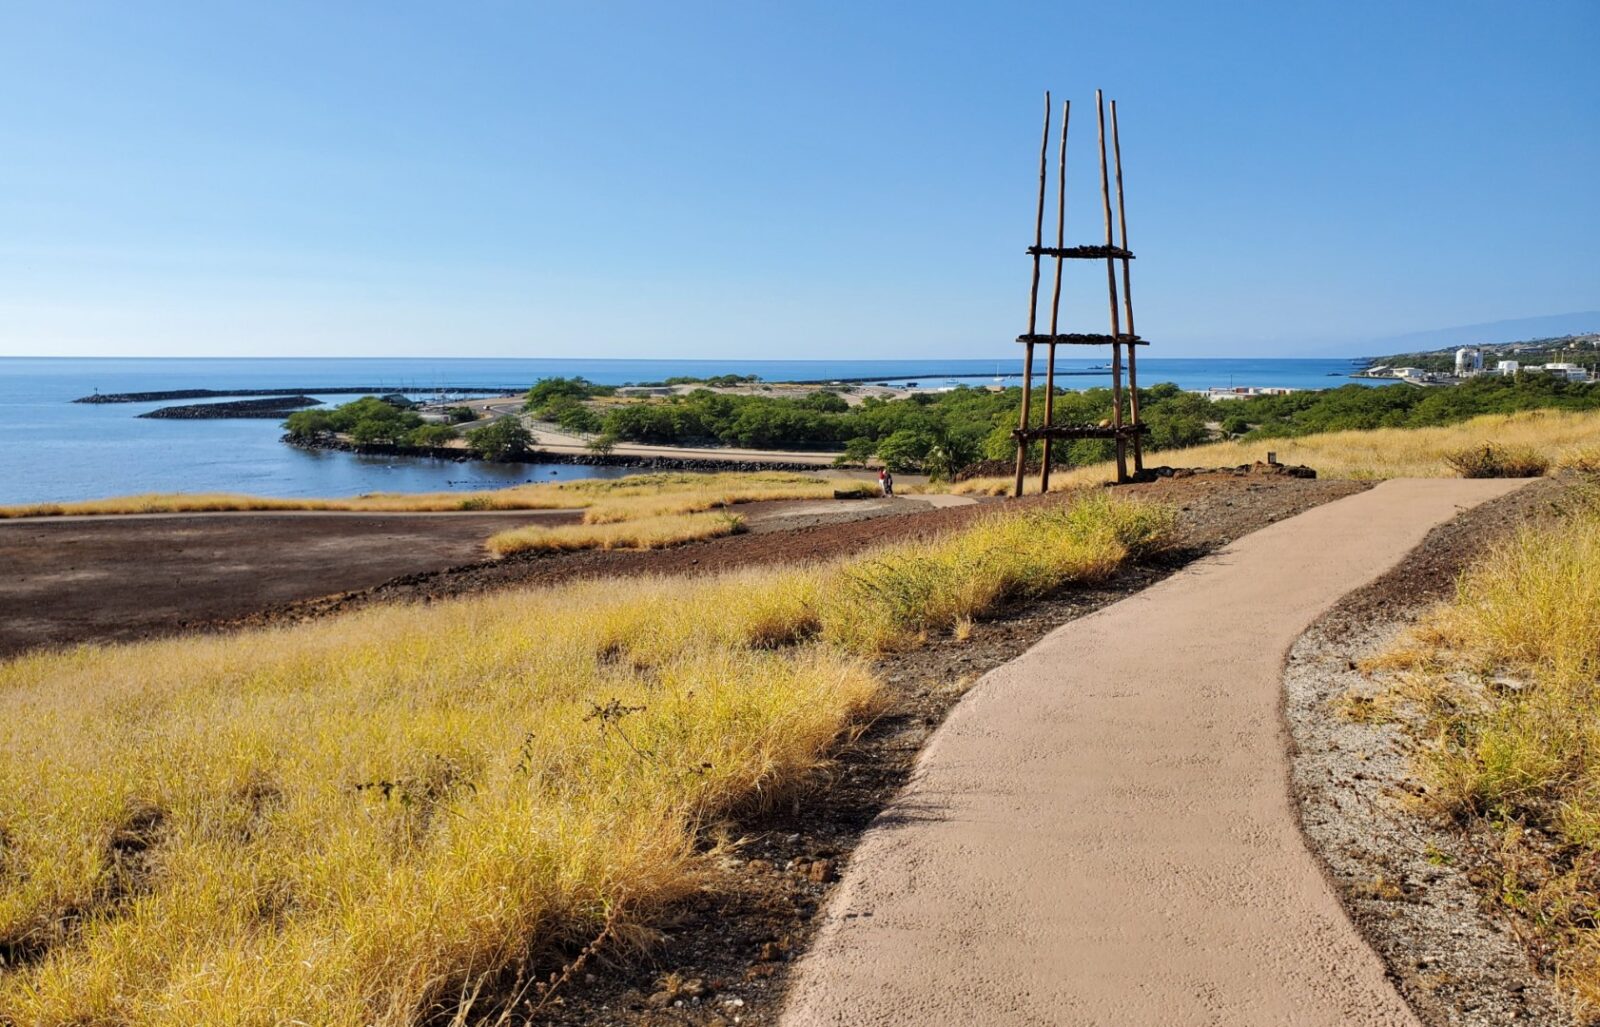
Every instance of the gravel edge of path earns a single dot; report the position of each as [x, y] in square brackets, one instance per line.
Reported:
[1403, 879]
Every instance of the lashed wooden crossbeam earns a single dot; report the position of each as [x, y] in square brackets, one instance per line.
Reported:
[1079, 431]
[1080, 252]
[1083, 339]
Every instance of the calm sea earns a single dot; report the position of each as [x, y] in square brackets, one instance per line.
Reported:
[55, 449]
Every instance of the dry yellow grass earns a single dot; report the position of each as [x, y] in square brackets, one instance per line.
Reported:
[643, 495]
[1559, 436]
[893, 597]
[1508, 680]
[370, 819]
[349, 823]
[520, 497]
[644, 533]
[721, 491]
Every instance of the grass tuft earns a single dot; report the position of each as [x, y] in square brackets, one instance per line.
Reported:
[890, 599]
[1492, 461]
[647, 533]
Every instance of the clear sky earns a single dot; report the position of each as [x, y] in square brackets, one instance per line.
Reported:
[627, 179]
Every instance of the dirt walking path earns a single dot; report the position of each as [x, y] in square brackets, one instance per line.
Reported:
[1102, 832]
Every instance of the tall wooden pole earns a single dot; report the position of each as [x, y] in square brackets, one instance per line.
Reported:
[1055, 296]
[1033, 298]
[1111, 292]
[1127, 299]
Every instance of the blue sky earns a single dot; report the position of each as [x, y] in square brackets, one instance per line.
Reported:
[778, 180]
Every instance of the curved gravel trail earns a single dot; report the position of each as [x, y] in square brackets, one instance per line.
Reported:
[1102, 832]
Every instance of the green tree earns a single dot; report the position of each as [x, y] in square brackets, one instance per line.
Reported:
[432, 435]
[947, 455]
[500, 439]
[905, 450]
[571, 414]
[371, 421]
[857, 452]
[310, 425]
[549, 390]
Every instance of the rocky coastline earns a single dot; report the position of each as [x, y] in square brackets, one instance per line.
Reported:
[271, 407]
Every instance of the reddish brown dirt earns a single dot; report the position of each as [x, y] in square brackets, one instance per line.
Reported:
[72, 580]
[81, 579]
[820, 538]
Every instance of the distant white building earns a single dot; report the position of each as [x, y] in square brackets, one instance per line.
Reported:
[1508, 367]
[1244, 392]
[1571, 372]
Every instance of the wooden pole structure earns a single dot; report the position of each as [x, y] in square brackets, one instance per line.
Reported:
[1111, 292]
[1055, 295]
[1033, 299]
[1127, 299]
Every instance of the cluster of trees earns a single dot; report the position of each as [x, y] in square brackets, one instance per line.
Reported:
[1403, 406]
[720, 381]
[934, 432]
[940, 433]
[371, 421]
[366, 421]
[563, 401]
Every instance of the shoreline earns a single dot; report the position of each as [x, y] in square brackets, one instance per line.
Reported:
[458, 455]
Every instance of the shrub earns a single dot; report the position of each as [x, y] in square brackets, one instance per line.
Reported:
[500, 439]
[1492, 461]
[1583, 461]
[432, 435]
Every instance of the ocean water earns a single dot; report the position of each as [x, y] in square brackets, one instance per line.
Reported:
[55, 449]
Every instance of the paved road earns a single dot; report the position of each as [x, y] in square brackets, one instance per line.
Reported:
[1102, 832]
